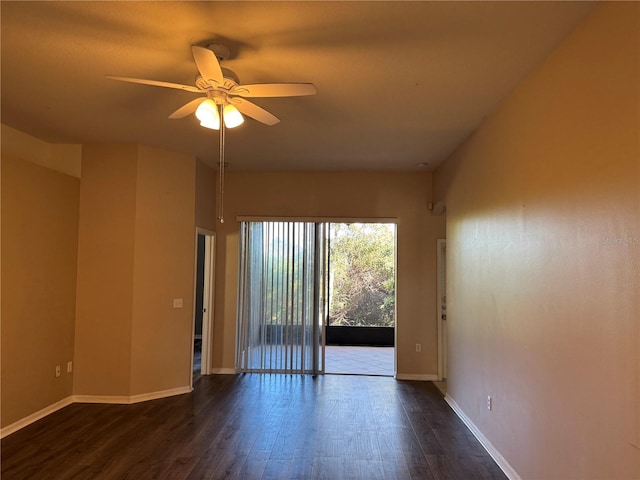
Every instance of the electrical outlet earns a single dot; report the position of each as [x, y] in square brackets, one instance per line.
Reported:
[418, 347]
[58, 370]
[177, 303]
[489, 403]
[69, 367]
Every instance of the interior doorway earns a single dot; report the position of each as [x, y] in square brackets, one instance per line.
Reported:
[203, 303]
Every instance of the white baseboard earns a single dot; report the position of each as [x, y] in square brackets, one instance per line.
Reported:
[491, 450]
[128, 400]
[143, 397]
[416, 376]
[111, 399]
[34, 417]
[223, 371]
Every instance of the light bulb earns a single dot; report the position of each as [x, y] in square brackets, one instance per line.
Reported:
[207, 113]
[232, 117]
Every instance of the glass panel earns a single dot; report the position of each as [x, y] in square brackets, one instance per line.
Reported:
[278, 326]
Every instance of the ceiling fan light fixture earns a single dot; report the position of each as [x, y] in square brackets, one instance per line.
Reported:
[213, 125]
[207, 113]
[232, 116]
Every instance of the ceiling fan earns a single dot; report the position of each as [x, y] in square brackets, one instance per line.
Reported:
[224, 99]
[223, 94]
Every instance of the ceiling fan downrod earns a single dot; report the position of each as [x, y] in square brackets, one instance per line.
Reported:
[221, 168]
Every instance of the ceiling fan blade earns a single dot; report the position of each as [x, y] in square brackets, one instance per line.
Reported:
[207, 64]
[156, 83]
[274, 90]
[254, 111]
[187, 108]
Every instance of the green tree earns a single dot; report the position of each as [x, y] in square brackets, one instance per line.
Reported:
[362, 274]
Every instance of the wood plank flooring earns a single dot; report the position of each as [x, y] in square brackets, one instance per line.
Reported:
[249, 427]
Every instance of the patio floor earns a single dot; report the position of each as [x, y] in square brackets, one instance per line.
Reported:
[359, 360]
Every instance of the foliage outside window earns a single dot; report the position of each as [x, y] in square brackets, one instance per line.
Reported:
[362, 289]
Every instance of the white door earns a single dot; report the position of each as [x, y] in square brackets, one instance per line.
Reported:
[442, 308]
[207, 302]
[203, 302]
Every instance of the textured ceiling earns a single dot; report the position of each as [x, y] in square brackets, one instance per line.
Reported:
[399, 83]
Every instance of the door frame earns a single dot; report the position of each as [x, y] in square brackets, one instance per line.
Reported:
[441, 299]
[207, 300]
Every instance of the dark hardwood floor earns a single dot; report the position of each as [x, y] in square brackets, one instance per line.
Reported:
[257, 427]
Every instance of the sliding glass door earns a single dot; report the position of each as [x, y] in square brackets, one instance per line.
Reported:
[282, 300]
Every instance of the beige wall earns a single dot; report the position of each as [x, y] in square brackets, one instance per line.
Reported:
[136, 254]
[64, 158]
[105, 270]
[164, 262]
[39, 250]
[205, 196]
[126, 233]
[543, 227]
[348, 195]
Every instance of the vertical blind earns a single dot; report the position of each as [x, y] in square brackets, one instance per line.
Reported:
[281, 298]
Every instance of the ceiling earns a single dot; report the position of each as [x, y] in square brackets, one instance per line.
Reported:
[400, 84]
